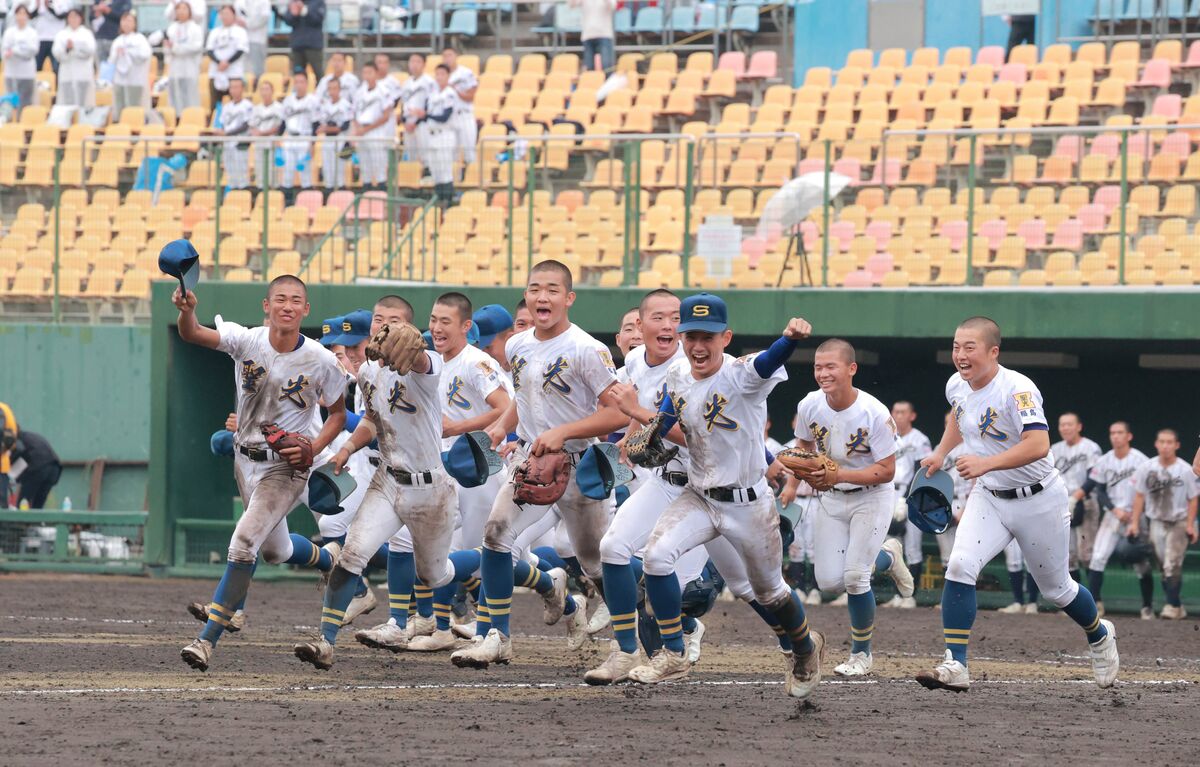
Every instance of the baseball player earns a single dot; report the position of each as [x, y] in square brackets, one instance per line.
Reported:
[390, 86]
[911, 446]
[335, 115]
[282, 378]
[440, 134]
[301, 116]
[337, 71]
[372, 111]
[226, 48]
[522, 318]
[233, 119]
[801, 552]
[560, 374]
[629, 335]
[1166, 491]
[415, 94]
[720, 407]
[852, 517]
[410, 489]
[1110, 481]
[266, 120]
[1074, 457]
[495, 327]
[998, 415]
[464, 83]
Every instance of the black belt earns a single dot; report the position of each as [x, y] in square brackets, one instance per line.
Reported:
[256, 454]
[411, 478]
[676, 478]
[730, 494]
[847, 492]
[375, 460]
[1019, 492]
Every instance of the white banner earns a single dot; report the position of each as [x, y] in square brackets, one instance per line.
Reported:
[1010, 7]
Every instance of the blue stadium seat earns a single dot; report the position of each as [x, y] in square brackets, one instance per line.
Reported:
[744, 19]
[683, 19]
[715, 17]
[333, 21]
[424, 24]
[650, 21]
[151, 18]
[464, 22]
[623, 21]
[1109, 9]
[568, 20]
[1135, 9]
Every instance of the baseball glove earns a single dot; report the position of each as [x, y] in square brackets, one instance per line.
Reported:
[280, 439]
[397, 346]
[645, 447]
[818, 470]
[542, 479]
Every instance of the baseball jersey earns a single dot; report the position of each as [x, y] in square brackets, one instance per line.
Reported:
[1116, 474]
[284, 388]
[223, 43]
[992, 420]
[911, 448]
[774, 445]
[387, 85]
[856, 437]
[336, 113]
[651, 383]
[369, 106]
[557, 381]
[299, 114]
[1074, 461]
[415, 93]
[267, 118]
[348, 81]
[236, 116]
[463, 79]
[440, 102]
[962, 487]
[1167, 489]
[723, 418]
[468, 380]
[407, 412]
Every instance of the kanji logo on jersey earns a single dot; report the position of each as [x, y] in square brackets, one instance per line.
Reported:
[1025, 403]
[714, 414]
[396, 400]
[517, 364]
[988, 427]
[454, 395]
[252, 374]
[552, 377]
[858, 443]
[820, 435]
[293, 391]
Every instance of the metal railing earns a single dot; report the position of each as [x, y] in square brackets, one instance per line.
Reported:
[79, 541]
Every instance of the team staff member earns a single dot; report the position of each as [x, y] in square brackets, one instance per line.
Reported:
[334, 117]
[42, 467]
[8, 439]
[226, 47]
[440, 109]
[1018, 494]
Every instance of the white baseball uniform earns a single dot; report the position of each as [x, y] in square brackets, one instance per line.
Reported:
[806, 499]
[962, 488]
[339, 113]
[348, 80]
[370, 106]
[286, 389]
[466, 130]
[414, 94]
[440, 134]
[991, 421]
[852, 520]
[267, 118]
[299, 117]
[1073, 463]
[911, 449]
[1167, 491]
[1116, 474]
[235, 119]
[411, 488]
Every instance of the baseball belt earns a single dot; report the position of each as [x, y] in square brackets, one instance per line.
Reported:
[732, 494]
[1019, 492]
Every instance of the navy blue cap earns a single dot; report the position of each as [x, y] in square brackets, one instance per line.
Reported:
[179, 259]
[330, 330]
[704, 312]
[600, 470]
[930, 501]
[491, 320]
[356, 328]
[327, 490]
[221, 443]
[471, 460]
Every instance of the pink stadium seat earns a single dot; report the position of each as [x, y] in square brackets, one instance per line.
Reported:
[1070, 147]
[882, 231]
[1168, 105]
[857, 279]
[1107, 144]
[1016, 74]
[1179, 143]
[734, 61]
[879, 265]
[1109, 197]
[311, 199]
[812, 165]
[1092, 218]
[849, 166]
[1033, 232]
[1068, 235]
[753, 248]
[340, 199]
[808, 230]
[993, 231]
[1157, 74]
[1193, 56]
[955, 232]
[763, 65]
[991, 54]
[843, 232]
[893, 173]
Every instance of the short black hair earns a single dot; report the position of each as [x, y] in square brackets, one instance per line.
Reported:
[368, 65]
[418, 55]
[1174, 434]
[1073, 414]
[520, 305]
[558, 267]
[1123, 424]
[393, 301]
[985, 325]
[641, 307]
[284, 279]
[297, 73]
[443, 68]
[457, 301]
[840, 346]
[449, 48]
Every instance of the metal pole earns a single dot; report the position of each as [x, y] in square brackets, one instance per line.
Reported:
[391, 205]
[530, 183]
[825, 221]
[57, 252]
[636, 178]
[508, 220]
[687, 214]
[628, 223]
[218, 195]
[970, 208]
[266, 202]
[1124, 204]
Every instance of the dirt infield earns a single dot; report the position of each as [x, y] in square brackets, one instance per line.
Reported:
[91, 673]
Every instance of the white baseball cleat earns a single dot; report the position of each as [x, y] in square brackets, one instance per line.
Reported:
[615, 668]
[1172, 613]
[814, 597]
[1105, 661]
[692, 642]
[599, 620]
[665, 666]
[908, 603]
[842, 600]
[899, 572]
[894, 602]
[197, 654]
[493, 648]
[1016, 608]
[360, 605]
[439, 641]
[556, 598]
[804, 674]
[859, 664]
[421, 626]
[947, 675]
[385, 636]
[318, 652]
[1031, 608]
[1147, 614]
[464, 630]
[199, 611]
[577, 623]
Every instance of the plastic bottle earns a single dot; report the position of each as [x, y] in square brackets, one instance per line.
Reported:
[66, 505]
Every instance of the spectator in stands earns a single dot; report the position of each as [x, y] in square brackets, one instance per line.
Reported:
[109, 12]
[75, 48]
[227, 47]
[8, 440]
[265, 120]
[1021, 30]
[130, 56]
[597, 35]
[307, 41]
[197, 7]
[50, 19]
[183, 48]
[335, 115]
[19, 50]
[255, 16]
[42, 467]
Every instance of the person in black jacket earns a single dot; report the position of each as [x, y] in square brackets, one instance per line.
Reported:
[42, 467]
[111, 12]
[307, 19]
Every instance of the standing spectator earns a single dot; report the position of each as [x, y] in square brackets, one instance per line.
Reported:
[1021, 30]
[307, 41]
[42, 468]
[8, 440]
[130, 56]
[198, 8]
[597, 34]
[255, 16]
[19, 50]
[227, 46]
[75, 48]
[415, 94]
[335, 115]
[50, 19]
[109, 12]
[265, 120]
[183, 48]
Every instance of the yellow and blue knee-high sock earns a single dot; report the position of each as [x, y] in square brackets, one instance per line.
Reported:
[465, 563]
[1016, 582]
[794, 622]
[621, 597]
[424, 598]
[496, 569]
[402, 575]
[958, 615]
[1082, 610]
[1033, 589]
[862, 620]
[548, 558]
[338, 595]
[230, 592]
[341, 541]
[664, 596]
[530, 577]
[483, 615]
[308, 554]
[785, 641]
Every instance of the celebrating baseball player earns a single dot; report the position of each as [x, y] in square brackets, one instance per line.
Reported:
[1074, 456]
[283, 379]
[1018, 494]
[856, 433]
[911, 446]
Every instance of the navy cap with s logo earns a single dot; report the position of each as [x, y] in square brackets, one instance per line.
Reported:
[704, 312]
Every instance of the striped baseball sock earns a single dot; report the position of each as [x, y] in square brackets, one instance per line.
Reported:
[497, 570]
[958, 615]
[785, 641]
[464, 564]
[230, 591]
[794, 622]
[530, 577]
[663, 593]
[424, 599]
[548, 558]
[1082, 610]
[402, 574]
[341, 541]
[308, 554]
[862, 620]
[621, 597]
[338, 594]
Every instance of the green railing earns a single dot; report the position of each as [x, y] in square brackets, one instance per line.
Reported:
[76, 541]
